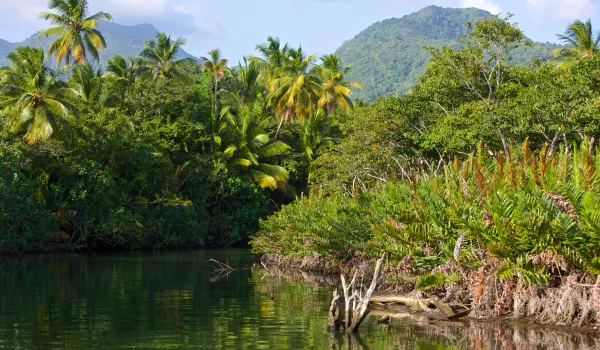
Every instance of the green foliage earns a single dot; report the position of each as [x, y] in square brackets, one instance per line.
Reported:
[524, 271]
[234, 221]
[32, 94]
[518, 208]
[432, 280]
[324, 226]
[153, 152]
[167, 154]
[25, 224]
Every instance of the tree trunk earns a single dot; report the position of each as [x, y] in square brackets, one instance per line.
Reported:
[279, 128]
[215, 102]
[504, 143]
[553, 143]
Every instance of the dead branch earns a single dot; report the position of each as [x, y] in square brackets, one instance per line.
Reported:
[219, 266]
[356, 304]
[335, 321]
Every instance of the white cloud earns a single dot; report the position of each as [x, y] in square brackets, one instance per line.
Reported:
[561, 9]
[487, 5]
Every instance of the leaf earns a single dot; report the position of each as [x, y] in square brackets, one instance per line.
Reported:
[428, 280]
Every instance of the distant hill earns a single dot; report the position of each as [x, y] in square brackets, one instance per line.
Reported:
[388, 56]
[123, 40]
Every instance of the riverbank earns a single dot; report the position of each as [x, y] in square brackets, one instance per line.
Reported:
[571, 301]
[506, 234]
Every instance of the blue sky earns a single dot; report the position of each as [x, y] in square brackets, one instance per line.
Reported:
[236, 26]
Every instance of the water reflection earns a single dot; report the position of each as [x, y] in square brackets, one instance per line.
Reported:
[175, 300]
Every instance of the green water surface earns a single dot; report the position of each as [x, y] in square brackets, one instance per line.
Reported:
[176, 300]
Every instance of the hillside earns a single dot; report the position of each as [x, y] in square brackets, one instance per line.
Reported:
[127, 41]
[388, 56]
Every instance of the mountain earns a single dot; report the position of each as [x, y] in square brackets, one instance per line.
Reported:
[123, 40]
[388, 56]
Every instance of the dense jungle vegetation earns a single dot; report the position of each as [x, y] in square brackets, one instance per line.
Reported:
[154, 151]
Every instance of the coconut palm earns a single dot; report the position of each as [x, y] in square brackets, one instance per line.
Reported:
[159, 59]
[581, 42]
[76, 31]
[122, 69]
[336, 91]
[249, 147]
[242, 86]
[275, 57]
[30, 90]
[88, 82]
[293, 94]
[216, 66]
[243, 82]
[312, 133]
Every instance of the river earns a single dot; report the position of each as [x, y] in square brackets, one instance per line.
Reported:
[145, 300]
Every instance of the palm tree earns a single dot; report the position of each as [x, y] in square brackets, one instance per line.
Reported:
[242, 86]
[243, 83]
[275, 57]
[216, 66]
[159, 59]
[77, 33]
[32, 91]
[122, 69]
[293, 94]
[88, 83]
[312, 133]
[581, 42]
[336, 91]
[249, 146]
[121, 74]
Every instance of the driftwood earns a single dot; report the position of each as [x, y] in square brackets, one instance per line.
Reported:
[219, 266]
[433, 307]
[221, 269]
[356, 305]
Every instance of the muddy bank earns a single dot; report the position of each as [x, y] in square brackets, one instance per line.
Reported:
[569, 299]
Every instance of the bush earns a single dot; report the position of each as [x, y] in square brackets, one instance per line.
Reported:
[513, 208]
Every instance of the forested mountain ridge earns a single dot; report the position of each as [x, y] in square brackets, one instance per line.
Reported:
[388, 56]
[127, 41]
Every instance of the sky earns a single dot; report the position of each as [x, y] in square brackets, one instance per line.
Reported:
[320, 26]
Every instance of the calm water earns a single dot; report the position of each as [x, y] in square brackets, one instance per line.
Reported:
[176, 300]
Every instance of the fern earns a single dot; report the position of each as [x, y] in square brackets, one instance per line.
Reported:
[523, 270]
[429, 280]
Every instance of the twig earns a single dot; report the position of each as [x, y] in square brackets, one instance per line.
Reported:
[220, 266]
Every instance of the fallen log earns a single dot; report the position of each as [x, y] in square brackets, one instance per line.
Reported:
[428, 306]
